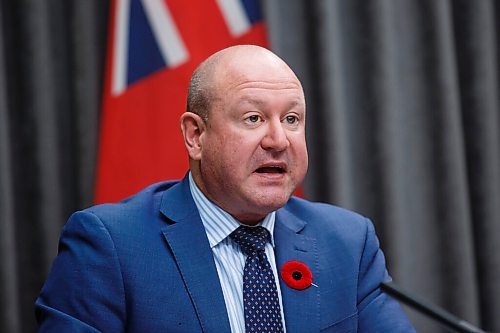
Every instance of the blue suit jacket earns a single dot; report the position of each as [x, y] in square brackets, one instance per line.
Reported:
[145, 265]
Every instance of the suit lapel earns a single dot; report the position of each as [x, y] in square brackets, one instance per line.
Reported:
[188, 241]
[301, 307]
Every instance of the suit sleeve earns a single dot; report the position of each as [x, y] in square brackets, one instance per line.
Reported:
[377, 311]
[84, 291]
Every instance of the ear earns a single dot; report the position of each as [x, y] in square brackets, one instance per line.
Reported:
[192, 127]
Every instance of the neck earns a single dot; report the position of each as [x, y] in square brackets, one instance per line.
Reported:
[244, 218]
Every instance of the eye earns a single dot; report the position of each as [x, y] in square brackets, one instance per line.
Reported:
[253, 119]
[291, 119]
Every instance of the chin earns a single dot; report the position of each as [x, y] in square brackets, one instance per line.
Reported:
[257, 207]
[271, 202]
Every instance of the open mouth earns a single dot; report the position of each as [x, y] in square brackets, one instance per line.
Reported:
[270, 169]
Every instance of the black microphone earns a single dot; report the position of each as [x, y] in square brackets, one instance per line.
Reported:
[431, 310]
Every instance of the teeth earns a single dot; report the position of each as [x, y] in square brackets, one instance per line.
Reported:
[270, 169]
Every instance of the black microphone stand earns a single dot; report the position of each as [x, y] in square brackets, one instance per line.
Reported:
[433, 311]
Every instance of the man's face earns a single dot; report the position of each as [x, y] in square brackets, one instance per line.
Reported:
[254, 152]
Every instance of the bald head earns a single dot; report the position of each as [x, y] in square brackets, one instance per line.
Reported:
[234, 62]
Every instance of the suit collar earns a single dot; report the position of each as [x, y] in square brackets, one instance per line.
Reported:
[188, 242]
[301, 307]
[177, 203]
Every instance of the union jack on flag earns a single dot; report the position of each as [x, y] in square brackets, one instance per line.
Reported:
[153, 47]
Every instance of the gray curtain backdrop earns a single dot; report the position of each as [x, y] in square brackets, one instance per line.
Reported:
[51, 68]
[403, 102]
[403, 126]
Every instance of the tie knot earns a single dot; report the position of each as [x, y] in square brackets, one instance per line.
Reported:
[250, 239]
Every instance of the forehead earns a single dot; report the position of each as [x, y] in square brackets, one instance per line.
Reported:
[273, 83]
[257, 85]
[260, 93]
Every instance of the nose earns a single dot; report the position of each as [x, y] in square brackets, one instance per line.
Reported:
[275, 138]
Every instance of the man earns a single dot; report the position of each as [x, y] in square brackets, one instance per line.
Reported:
[177, 257]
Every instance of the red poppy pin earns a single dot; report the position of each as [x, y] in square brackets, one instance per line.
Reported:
[296, 275]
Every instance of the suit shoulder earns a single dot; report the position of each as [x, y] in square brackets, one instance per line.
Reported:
[141, 204]
[326, 222]
[319, 212]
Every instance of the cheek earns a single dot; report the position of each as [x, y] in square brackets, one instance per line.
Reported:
[304, 156]
[239, 148]
[299, 145]
[301, 156]
[226, 154]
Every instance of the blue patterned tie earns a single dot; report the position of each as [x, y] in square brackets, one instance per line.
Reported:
[260, 296]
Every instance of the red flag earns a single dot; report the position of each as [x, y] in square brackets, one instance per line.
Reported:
[153, 47]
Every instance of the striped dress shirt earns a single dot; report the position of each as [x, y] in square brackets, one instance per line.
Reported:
[229, 260]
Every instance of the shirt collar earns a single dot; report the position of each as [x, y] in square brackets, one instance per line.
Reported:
[218, 223]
